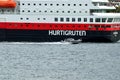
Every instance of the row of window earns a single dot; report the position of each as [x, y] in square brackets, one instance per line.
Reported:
[86, 19]
[28, 18]
[55, 11]
[40, 4]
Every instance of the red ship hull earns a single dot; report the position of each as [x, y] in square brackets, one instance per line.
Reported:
[49, 32]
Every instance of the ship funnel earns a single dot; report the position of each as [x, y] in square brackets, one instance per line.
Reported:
[7, 4]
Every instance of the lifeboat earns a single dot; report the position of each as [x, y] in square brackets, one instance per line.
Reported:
[7, 4]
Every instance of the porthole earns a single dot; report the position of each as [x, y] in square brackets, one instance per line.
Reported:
[28, 3]
[57, 4]
[68, 11]
[85, 4]
[45, 4]
[23, 4]
[63, 4]
[51, 4]
[80, 4]
[34, 4]
[74, 4]
[21, 18]
[51, 11]
[38, 18]
[68, 4]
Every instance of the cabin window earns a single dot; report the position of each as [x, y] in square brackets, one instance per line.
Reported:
[68, 4]
[97, 20]
[57, 4]
[51, 11]
[80, 4]
[73, 19]
[51, 4]
[23, 4]
[38, 18]
[28, 10]
[63, 4]
[104, 19]
[74, 4]
[40, 4]
[79, 19]
[85, 19]
[61, 19]
[45, 4]
[34, 4]
[85, 4]
[21, 18]
[67, 19]
[74, 11]
[57, 11]
[68, 11]
[110, 19]
[28, 3]
[27, 18]
[56, 19]
[63, 11]
[91, 19]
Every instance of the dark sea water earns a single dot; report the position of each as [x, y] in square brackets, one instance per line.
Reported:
[59, 61]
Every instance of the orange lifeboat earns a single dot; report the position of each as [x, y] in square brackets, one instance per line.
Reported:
[7, 4]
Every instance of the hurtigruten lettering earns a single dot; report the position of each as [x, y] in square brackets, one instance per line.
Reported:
[67, 33]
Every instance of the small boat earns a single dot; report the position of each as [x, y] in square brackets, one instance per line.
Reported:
[73, 41]
[7, 4]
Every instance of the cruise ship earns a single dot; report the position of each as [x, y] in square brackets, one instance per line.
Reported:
[58, 20]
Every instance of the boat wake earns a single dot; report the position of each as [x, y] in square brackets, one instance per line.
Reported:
[34, 43]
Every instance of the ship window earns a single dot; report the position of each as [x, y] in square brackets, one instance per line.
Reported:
[57, 11]
[23, 4]
[74, 4]
[104, 19]
[34, 4]
[39, 11]
[28, 3]
[28, 10]
[56, 19]
[40, 4]
[68, 4]
[73, 19]
[38, 18]
[97, 20]
[45, 4]
[85, 19]
[61, 19]
[51, 11]
[85, 4]
[21, 18]
[57, 4]
[34, 11]
[44, 18]
[80, 4]
[63, 4]
[74, 11]
[79, 19]
[68, 11]
[110, 19]
[45, 11]
[23, 11]
[27, 18]
[91, 19]
[79, 11]
[63, 11]
[67, 19]
[51, 4]
[85, 11]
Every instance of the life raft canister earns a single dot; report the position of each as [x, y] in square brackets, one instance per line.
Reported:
[7, 4]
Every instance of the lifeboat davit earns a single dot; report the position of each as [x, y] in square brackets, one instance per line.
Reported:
[7, 4]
